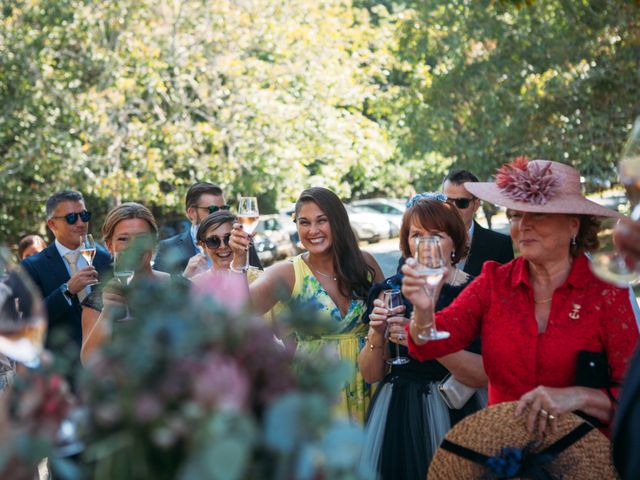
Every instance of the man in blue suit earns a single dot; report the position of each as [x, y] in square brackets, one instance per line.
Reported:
[63, 276]
[179, 254]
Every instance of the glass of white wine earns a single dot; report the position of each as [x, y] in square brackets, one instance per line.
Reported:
[123, 272]
[248, 216]
[88, 249]
[23, 319]
[611, 266]
[432, 265]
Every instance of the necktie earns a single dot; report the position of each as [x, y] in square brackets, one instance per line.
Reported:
[72, 258]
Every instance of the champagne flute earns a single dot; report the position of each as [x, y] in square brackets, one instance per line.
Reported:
[88, 249]
[611, 266]
[23, 321]
[393, 299]
[432, 265]
[123, 272]
[248, 216]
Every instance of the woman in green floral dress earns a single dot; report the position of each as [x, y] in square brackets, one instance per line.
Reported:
[333, 277]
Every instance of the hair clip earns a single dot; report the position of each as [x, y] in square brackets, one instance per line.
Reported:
[439, 196]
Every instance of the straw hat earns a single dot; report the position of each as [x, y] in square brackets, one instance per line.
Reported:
[539, 186]
[578, 450]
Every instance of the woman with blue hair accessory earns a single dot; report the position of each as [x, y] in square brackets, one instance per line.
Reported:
[408, 418]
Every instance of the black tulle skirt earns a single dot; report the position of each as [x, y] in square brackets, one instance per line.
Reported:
[406, 422]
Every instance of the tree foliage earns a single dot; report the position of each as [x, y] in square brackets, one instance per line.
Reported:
[136, 99]
[485, 81]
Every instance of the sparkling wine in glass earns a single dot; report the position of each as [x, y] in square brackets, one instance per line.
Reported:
[123, 272]
[248, 216]
[611, 266]
[392, 300]
[432, 265]
[23, 321]
[88, 249]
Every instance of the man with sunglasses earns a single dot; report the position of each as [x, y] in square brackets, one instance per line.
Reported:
[181, 252]
[485, 244]
[63, 276]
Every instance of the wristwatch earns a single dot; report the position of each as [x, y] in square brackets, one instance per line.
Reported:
[64, 288]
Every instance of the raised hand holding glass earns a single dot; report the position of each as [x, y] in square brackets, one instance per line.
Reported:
[611, 266]
[248, 216]
[432, 265]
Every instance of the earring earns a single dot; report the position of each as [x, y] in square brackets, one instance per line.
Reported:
[573, 241]
[453, 254]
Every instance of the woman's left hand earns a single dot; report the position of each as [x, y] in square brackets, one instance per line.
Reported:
[397, 324]
[545, 404]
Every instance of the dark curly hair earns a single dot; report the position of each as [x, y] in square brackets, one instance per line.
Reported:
[587, 237]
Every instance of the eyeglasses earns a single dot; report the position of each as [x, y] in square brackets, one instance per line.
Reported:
[72, 218]
[214, 208]
[214, 241]
[461, 203]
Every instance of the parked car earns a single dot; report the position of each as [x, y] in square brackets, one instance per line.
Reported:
[392, 209]
[285, 216]
[271, 226]
[367, 225]
[266, 249]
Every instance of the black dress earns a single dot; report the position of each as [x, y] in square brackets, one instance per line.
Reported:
[407, 418]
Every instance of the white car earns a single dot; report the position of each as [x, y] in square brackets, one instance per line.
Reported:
[391, 208]
[367, 225]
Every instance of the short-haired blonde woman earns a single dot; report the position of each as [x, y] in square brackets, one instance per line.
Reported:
[122, 224]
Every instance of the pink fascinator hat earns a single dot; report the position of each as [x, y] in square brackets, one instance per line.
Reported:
[538, 186]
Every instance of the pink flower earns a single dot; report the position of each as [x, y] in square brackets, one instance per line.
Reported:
[147, 407]
[219, 382]
[227, 288]
[528, 182]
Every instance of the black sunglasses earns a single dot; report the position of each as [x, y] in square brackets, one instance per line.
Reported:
[215, 208]
[461, 203]
[214, 241]
[72, 218]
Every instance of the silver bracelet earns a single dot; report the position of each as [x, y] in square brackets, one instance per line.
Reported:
[244, 270]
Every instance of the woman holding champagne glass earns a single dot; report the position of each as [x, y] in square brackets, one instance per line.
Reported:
[333, 276]
[122, 224]
[407, 418]
[554, 337]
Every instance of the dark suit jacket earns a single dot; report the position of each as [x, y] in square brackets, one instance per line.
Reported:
[174, 254]
[48, 271]
[487, 245]
[626, 425]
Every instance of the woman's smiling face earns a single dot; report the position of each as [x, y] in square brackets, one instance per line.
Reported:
[220, 255]
[314, 228]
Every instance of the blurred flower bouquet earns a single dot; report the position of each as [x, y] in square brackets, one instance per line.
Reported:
[198, 388]
[32, 410]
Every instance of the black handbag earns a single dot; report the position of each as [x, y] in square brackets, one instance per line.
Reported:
[593, 370]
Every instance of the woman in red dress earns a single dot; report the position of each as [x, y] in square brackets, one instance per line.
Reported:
[554, 336]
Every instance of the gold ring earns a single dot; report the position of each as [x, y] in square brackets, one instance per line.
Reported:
[543, 412]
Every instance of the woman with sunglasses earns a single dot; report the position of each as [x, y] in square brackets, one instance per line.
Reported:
[122, 225]
[332, 278]
[213, 236]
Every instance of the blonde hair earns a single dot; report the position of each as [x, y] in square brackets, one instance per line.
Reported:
[126, 211]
